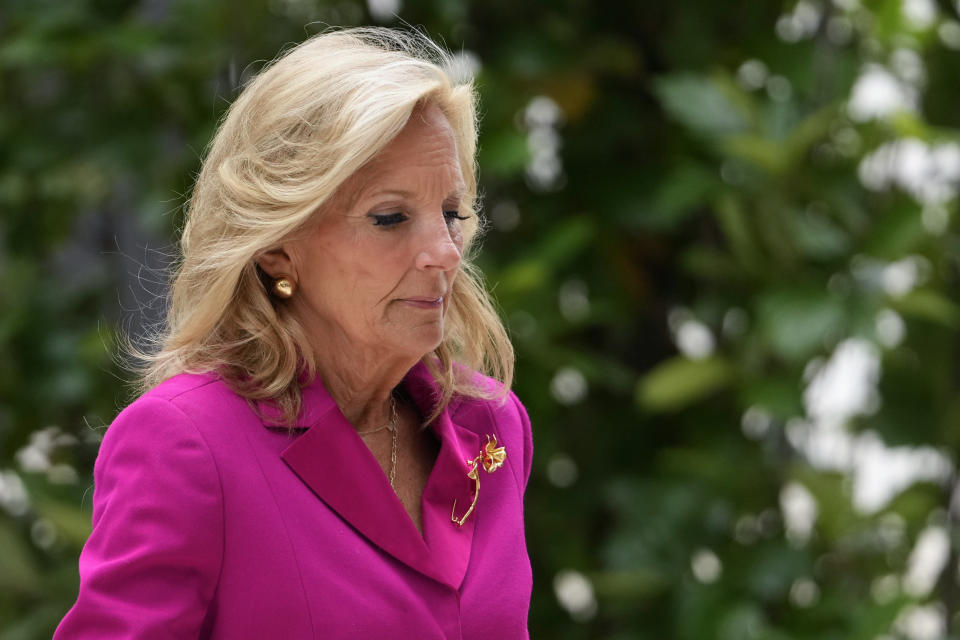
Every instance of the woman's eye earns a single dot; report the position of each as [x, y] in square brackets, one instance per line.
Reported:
[387, 219]
[453, 215]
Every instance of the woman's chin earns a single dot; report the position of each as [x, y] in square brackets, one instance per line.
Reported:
[424, 339]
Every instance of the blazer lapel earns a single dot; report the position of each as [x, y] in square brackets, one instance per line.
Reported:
[449, 543]
[335, 463]
[331, 459]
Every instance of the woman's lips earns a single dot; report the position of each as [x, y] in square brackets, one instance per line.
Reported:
[424, 303]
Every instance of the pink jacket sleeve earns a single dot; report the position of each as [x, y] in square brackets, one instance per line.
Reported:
[527, 438]
[151, 564]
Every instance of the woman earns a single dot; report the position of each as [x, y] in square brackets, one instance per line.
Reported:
[316, 455]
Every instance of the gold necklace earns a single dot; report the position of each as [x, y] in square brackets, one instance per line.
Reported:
[393, 426]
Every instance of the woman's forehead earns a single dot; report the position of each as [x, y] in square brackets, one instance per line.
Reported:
[424, 150]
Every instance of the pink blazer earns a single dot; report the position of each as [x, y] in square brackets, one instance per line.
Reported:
[212, 522]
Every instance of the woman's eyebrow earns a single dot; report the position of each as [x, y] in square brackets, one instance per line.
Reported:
[456, 193]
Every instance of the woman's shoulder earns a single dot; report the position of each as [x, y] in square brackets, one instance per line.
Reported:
[183, 386]
[185, 405]
[491, 396]
[501, 413]
[188, 392]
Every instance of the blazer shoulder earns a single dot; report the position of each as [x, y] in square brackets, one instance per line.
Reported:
[183, 384]
[195, 392]
[156, 548]
[503, 415]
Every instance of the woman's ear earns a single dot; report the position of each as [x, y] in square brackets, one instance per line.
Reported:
[276, 263]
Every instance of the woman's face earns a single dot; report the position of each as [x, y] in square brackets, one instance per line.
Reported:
[378, 270]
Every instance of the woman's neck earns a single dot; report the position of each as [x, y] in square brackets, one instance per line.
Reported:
[362, 386]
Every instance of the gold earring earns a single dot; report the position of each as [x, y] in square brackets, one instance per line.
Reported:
[283, 287]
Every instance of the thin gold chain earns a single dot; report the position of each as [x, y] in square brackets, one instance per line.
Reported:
[393, 426]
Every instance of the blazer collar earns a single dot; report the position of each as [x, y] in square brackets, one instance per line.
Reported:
[331, 459]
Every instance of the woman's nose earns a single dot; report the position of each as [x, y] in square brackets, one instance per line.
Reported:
[440, 246]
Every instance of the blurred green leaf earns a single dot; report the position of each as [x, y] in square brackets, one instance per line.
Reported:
[930, 305]
[679, 382]
[799, 322]
[561, 245]
[18, 572]
[70, 522]
[689, 187]
[699, 103]
[503, 153]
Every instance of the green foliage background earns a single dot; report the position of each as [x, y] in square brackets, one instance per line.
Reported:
[681, 237]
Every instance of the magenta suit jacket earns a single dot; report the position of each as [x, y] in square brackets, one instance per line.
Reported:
[210, 521]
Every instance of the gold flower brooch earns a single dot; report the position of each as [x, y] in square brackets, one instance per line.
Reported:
[492, 457]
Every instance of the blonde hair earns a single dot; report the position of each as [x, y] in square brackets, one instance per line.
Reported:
[294, 135]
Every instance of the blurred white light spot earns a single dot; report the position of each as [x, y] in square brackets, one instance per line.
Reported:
[877, 93]
[575, 593]
[921, 14]
[706, 566]
[899, 278]
[824, 445]
[929, 174]
[694, 340]
[752, 74]
[62, 474]
[562, 471]
[574, 300]
[800, 511]
[383, 10]
[787, 29]
[43, 533]
[35, 456]
[544, 170]
[798, 432]
[927, 622]
[464, 66]
[807, 14]
[949, 32]
[542, 111]
[801, 23]
[544, 141]
[926, 561]
[779, 88]
[804, 593]
[885, 589]
[756, 423]
[890, 328]
[505, 215]
[846, 385]
[946, 161]
[908, 64]
[881, 472]
[32, 459]
[568, 386]
[13, 493]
